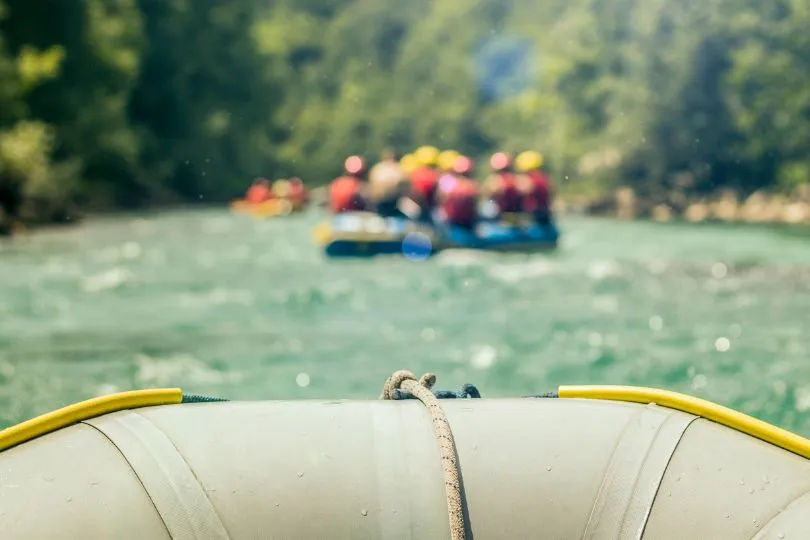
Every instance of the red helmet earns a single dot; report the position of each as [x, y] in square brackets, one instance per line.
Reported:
[463, 165]
[354, 165]
[500, 161]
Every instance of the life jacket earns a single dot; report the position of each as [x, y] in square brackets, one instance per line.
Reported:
[460, 203]
[346, 195]
[424, 182]
[507, 195]
[538, 195]
[258, 193]
[299, 195]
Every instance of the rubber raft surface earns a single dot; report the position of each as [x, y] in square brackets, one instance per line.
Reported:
[532, 468]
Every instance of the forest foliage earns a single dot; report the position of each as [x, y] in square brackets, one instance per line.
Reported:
[123, 103]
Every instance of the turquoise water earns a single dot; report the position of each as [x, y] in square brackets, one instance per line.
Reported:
[221, 304]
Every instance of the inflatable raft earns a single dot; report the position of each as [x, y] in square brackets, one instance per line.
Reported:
[584, 462]
[267, 209]
[364, 234]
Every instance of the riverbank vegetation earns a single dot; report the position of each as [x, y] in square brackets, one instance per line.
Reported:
[124, 103]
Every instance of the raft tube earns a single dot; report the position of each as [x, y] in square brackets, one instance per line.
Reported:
[363, 234]
[494, 236]
[593, 464]
[264, 210]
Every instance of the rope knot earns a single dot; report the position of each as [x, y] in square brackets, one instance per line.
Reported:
[394, 384]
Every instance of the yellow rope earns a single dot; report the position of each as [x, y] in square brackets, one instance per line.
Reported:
[405, 380]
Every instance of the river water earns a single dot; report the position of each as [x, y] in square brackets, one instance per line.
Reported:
[225, 305]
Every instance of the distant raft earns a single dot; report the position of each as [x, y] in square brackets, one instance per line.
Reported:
[363, 234]
[584, 462]
[268, 209]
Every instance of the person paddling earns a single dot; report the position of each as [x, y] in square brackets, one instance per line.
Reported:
[535, 186]
[424, 181]
[346, 193]
[501, 186]
[458, 195]
[387, 183]
[298, 193]
[259, 192]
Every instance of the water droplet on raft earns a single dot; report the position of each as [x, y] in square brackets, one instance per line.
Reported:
[363, 512]
[300, 475]
[780, 536]
[751, 491]
[93, 482]
[548, 468]
[48, 478]
[68, 499]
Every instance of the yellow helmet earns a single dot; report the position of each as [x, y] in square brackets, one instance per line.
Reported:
[427, 155]
[408, 163]
[281, 188]
[529, 161]
[447, 160]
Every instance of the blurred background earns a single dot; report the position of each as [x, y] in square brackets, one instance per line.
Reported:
[677, 135]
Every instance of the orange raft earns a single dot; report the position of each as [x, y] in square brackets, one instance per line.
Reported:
[268, 209]
[281, 203]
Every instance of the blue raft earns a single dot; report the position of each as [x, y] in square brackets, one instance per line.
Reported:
[364, 234]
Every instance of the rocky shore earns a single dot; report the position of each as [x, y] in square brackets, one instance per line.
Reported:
[724, 206]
